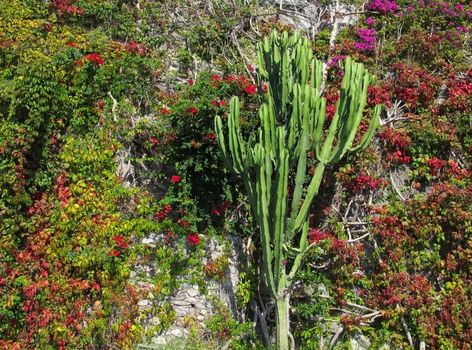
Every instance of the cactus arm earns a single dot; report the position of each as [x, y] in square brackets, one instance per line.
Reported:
[319, 120]
[263, 217]
[312, 191]
[302, 159]
[236, 143]
[299, 257]
[374, 123]
[280, 199]
[354, 114]
[222, 144]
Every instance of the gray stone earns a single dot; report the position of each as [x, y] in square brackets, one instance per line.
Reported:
[192, 292]
[149, 241]
[177, 332]
[143, 303]
[160, 340]
[155, 321]
[360, 342]
[178, 302]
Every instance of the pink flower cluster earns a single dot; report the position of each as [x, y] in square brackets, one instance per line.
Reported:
[382, 6]
[367, 39]
[335, 60]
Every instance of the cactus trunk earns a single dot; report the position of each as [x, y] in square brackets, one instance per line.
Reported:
[292, 120]
[282, 310]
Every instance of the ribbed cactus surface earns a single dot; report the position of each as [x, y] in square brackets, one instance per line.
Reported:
[292, 123]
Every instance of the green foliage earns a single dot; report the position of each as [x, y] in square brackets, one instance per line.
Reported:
[82, 79]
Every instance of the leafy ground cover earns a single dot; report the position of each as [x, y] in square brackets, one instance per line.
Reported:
[81, 81]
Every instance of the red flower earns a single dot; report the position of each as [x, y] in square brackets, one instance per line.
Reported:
[154, 141]
[114, 252]
[169, 237]
[161, 215]
[264, 88]
[175, 179]
[193, 110]
[79, 63]
[94, 58]
[216, 212]
[72, 44]
[190, 81]
[183, 223]
[137, 48]
[165, 110]
[193, 239]
[218, 103]
[215, 77]
[251, 89]
[210, 136]
[120, 241]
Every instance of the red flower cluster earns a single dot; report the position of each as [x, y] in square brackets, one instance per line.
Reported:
[364, 181]
[165, 110]
[398, 143]
[136, 48]
[218, 103]
[251, 89]
[154, 141]
[378, 95]
[162, 214]
[332, 97]
[415, 86]
[315, 235]
[94, 58]
[459, 92]
[114, 253]
[192, 110]
[175, 179]
[215, 79]
[193, 239]
[435, 164]
[120, 241]
[209, 137]
[183, 223]
[64, 6]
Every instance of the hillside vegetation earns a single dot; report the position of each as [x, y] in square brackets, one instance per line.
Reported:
[107, 138]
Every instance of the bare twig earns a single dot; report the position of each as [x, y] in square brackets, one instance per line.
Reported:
[114, 108]
[292, 341]
[407, 331]
[352, 240]
[335, 337]
[392, 181]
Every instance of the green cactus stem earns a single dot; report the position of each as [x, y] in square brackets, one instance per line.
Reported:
[292, 123]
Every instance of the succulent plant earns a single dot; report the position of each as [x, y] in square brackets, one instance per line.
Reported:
[292, 123]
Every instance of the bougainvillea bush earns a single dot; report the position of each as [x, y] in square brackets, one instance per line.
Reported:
[83, 81]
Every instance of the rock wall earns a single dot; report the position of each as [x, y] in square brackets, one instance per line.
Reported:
[188, 302]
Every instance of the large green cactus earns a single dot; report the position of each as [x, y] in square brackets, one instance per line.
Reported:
[292, 124]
